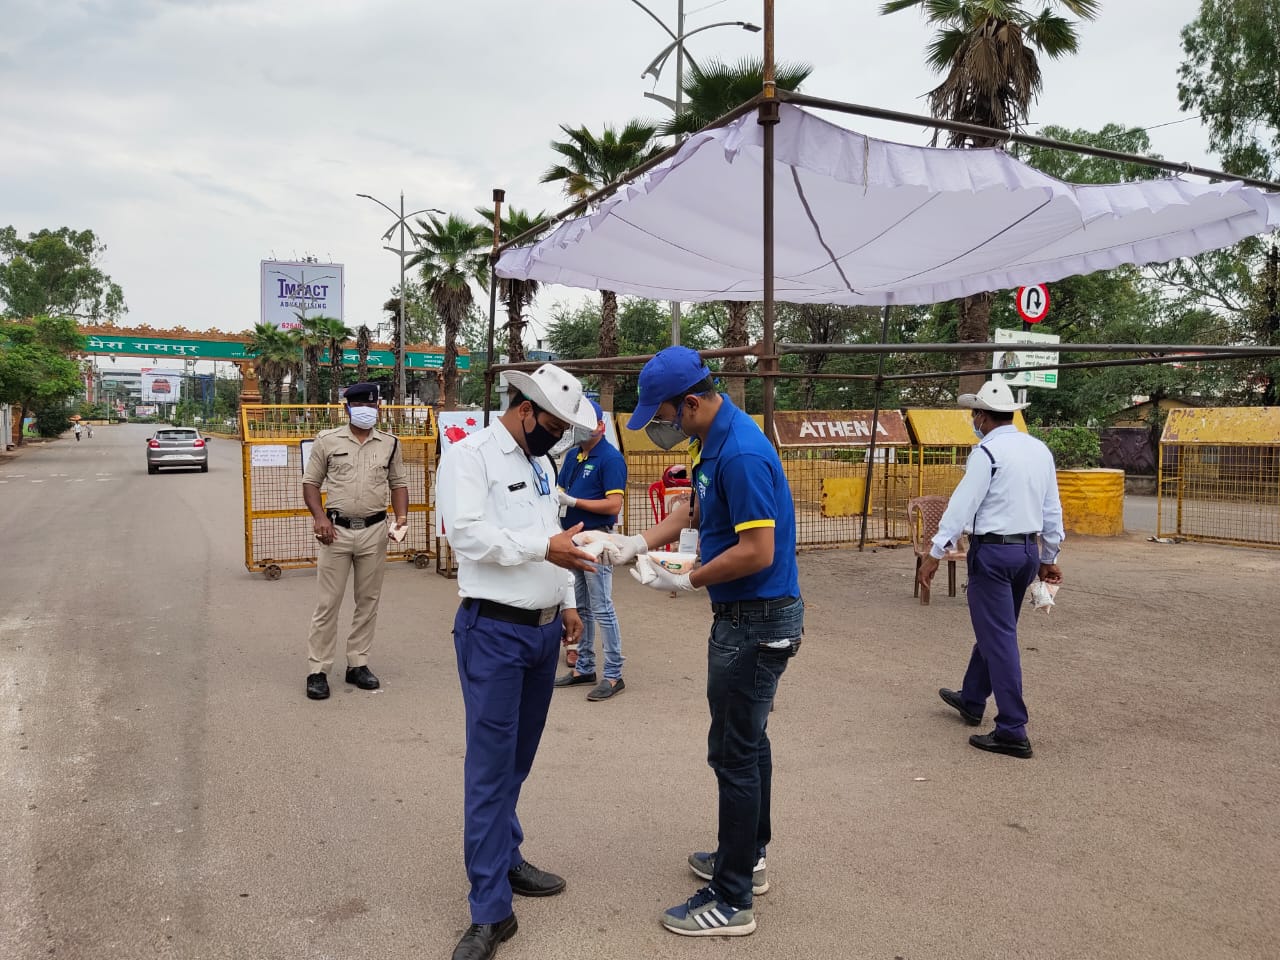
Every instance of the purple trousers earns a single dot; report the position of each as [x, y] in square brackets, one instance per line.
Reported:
[999, 575]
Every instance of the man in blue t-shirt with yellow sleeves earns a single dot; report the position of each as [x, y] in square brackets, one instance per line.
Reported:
[747, 543]
[593, 483]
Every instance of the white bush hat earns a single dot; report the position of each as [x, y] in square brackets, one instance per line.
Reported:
[556, 391]
[995, 396]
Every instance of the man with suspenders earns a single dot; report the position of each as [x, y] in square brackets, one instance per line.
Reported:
[1009, 499]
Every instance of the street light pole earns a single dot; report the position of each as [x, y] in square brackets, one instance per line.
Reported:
[678, 37]
[402, 252]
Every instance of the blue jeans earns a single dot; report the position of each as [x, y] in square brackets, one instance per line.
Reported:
[999, 575]
[742, 678]
[595, 608]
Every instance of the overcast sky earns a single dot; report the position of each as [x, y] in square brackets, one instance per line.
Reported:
[198, 137]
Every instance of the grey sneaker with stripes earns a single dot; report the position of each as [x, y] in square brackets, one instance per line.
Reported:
[706, 915]
[704, 865]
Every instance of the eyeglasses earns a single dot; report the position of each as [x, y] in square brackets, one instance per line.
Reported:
[544, 485]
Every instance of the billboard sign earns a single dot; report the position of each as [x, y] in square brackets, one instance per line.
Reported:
[161, 386]
[1010, 362]
[290, 288]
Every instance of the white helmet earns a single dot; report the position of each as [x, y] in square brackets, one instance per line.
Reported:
[558, 392]
[995, 395]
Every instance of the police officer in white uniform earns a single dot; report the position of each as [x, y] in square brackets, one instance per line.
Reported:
[1009, 498]
[495, 493]
[360, 467]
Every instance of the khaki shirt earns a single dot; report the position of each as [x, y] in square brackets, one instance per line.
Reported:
[358, 477]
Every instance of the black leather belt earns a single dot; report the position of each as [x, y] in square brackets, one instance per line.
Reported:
[356, 523]
[737, 607]
[509, 614]
[1005, 537]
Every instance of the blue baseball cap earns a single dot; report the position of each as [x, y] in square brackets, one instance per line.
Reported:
[596, 407]
[667, 375]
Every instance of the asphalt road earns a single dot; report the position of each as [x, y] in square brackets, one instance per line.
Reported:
[167, 791]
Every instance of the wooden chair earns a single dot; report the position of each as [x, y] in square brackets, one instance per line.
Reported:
[923, 516]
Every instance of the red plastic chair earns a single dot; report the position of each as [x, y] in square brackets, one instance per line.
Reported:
[674, 483]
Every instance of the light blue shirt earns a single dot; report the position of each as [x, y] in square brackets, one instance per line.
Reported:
[1020, 495]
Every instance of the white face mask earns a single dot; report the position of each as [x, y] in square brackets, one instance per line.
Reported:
[363, 418]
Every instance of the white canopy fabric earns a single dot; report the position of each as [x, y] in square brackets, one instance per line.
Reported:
[865, 221]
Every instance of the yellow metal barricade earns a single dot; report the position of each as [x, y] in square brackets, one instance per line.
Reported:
[276, 441]
[1220, 476]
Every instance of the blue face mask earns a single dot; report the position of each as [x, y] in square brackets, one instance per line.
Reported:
[976, 432]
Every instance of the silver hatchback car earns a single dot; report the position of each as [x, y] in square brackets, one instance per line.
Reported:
[177, 447]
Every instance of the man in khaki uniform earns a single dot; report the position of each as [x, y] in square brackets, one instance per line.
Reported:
[360, 468]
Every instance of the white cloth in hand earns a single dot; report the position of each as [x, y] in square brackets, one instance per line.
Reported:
[564, 499]
[654, 575]
[1042, 595]
[623, 549]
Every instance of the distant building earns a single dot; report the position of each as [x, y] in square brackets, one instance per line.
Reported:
[126, 384]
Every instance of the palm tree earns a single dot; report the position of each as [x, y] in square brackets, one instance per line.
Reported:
[310, 338]
[710, 93]
[589, 163]
[987, 50]
[335, 334]
[517, 295]
[274, 352]
[392, 309]
[364, 339]
[451, 256]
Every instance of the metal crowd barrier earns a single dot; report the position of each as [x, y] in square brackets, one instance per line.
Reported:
[276, 440]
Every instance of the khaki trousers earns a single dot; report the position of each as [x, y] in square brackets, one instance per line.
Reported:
[366, 551]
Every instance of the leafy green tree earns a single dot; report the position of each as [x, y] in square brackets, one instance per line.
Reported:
[590, 162]
[37, 371]
[644, 327]
[451, 257]
[710, 93]
[987, 52]
[1229, 78]
[56, 272]
[516, 295]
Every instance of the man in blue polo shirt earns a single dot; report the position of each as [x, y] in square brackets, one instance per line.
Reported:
[746, 522]
[592, 483]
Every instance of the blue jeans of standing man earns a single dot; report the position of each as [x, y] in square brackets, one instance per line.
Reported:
[742, 678]
[595, 608]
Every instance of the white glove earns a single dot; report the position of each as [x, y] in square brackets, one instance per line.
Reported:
[564, 499]
[660, 578]
[623, 549]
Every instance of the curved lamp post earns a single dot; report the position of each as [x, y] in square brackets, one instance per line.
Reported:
[654, 69]
[401, 252]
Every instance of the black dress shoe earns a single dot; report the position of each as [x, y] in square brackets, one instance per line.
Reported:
[481, 940]
[997, 744]
[952, 699]
[528, 881]
[317, 686]
[573, 678]
[363, 678]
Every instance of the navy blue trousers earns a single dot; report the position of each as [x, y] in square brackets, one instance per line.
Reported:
[507, 674]
[999, 575]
